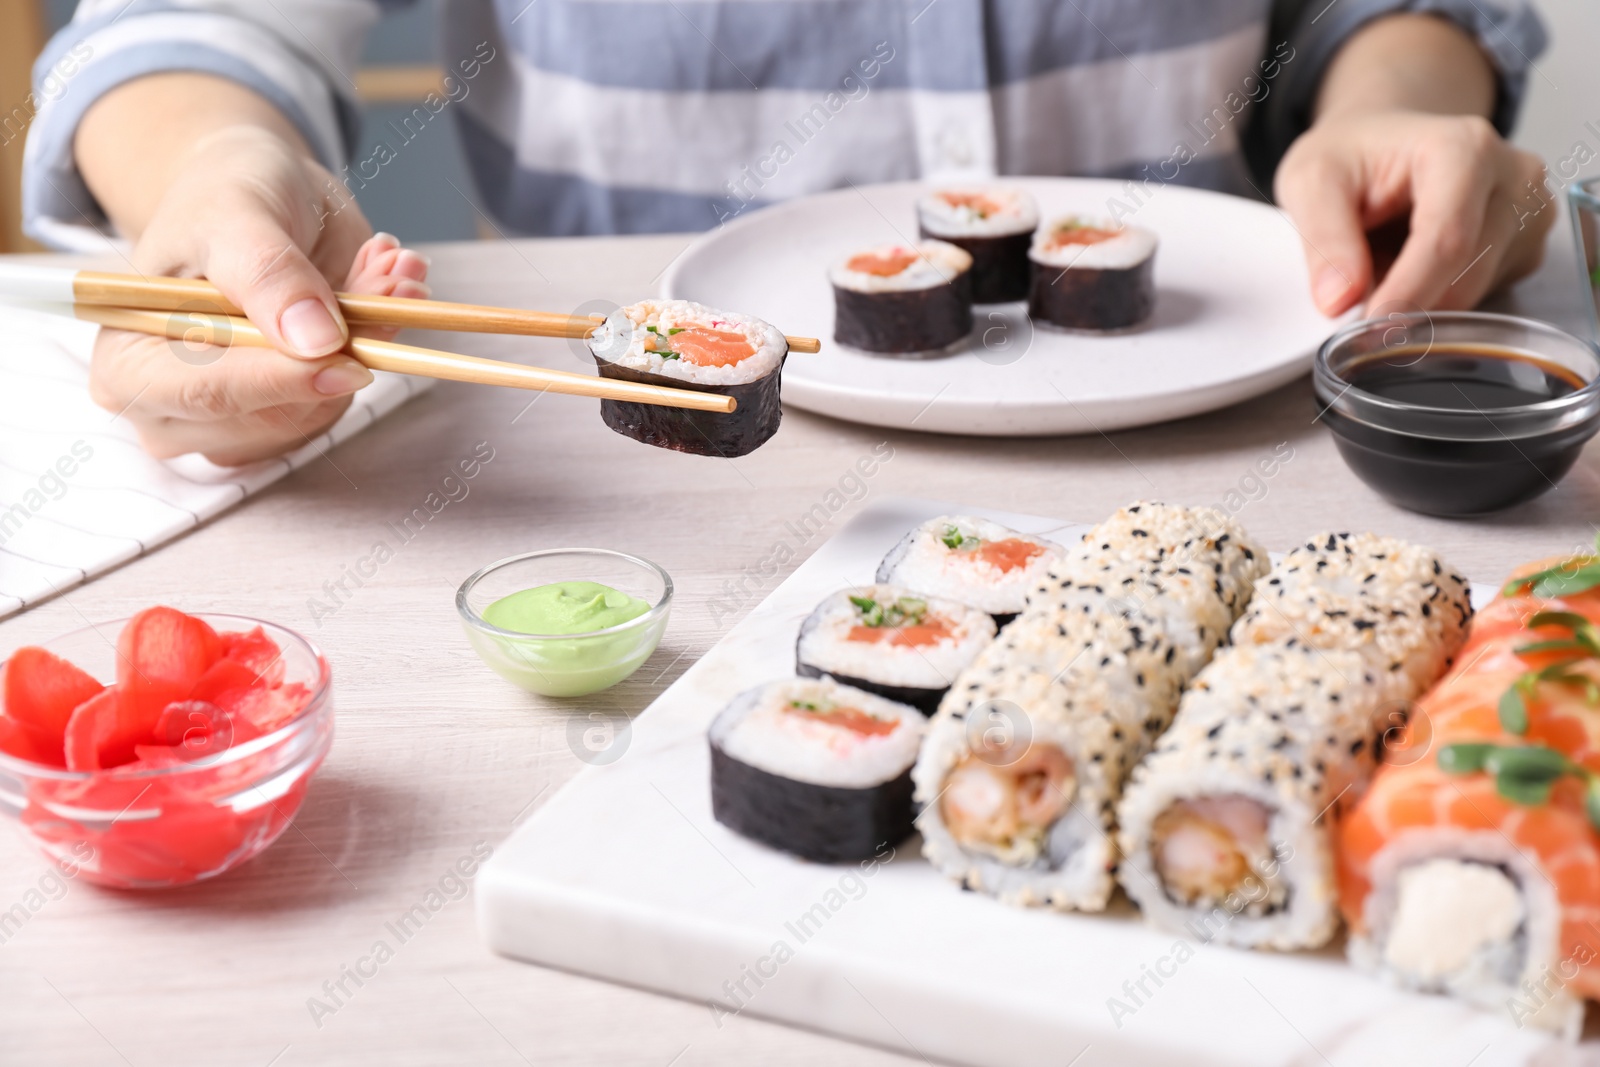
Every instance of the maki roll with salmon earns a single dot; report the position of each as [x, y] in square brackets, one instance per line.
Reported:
[1226, 829]
[903, 299]
[889, 641]
[1092, 274]
[815, 768]
[994, 226]
[970, 560]
[683, 345]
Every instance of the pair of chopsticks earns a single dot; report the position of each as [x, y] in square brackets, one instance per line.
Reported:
[203, 314]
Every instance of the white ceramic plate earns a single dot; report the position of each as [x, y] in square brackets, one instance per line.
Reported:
[1233, 315]
[625, 875]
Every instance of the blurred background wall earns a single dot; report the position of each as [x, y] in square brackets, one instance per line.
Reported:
[415, 200]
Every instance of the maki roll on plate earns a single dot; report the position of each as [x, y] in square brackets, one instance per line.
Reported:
[903, 299]
[995, 226]
[973, 561]
[684, 345]
[815, 768]
[1092, 274]
[892, 642]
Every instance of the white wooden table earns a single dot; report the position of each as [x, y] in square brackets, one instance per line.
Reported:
[435, 754]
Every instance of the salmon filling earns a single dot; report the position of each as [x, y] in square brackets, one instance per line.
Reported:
[882, 265]
[1079, 235]
[930, 631]
[705, 347]
[1205, 848]
[853, 719]
[1009, 554]
[982, 206]
[1010, 807]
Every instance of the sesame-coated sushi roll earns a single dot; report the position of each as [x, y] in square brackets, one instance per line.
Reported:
[903, 299]
[815, 768]
[1224, 828]
[892, 642]
[995, 226]
[1198, 545]
[1024, 761]
[683, 345]
[1092, 274]
[1396, 603]
[971, 560]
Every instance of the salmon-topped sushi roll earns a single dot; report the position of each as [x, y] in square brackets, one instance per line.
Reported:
[972, 560]
[993, 225]
[893, 642]
[684, 345]
[1472, 865]
[1092, 274]
[904, 300]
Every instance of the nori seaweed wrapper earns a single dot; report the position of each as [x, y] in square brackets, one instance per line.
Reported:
[909, 320]
[1088, 298]
[821, 823]
[1000, 271]
[924, 700]
[703, 433]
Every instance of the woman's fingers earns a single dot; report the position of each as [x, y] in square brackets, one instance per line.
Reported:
[1452, 174]
[1322, 197]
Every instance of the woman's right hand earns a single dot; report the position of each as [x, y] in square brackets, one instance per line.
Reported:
[274, 231]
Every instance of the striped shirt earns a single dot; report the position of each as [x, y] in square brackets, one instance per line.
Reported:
[617, 116]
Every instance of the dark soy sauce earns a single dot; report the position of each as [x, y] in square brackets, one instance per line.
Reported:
[1441, 476]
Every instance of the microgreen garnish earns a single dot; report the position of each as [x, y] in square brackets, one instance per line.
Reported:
[1576, 574]
[902, 611]
[955, 540]
[805, 705]
[1584, 644]
[1523, 774]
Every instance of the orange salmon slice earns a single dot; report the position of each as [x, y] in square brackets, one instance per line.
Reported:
[882, 264]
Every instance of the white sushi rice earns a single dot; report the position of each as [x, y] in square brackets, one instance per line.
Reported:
[924, 562]
[936, 263]
[1130, 247]
[622, 338]
[759, 729]
[1011, 211]
[825, 640]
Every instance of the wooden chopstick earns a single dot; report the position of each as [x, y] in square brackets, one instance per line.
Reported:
[205, 328]
[193, 294]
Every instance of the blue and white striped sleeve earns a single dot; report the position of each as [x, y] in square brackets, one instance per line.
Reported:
[299, 54]
[1509, 32]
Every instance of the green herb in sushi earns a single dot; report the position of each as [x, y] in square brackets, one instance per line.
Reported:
[904, 611]
[955, 540]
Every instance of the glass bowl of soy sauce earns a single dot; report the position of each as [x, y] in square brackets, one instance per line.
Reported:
[1458, 413]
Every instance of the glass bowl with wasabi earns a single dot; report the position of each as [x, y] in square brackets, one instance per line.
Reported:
[563, 622]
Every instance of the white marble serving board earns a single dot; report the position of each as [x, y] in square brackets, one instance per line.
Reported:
[624, 875]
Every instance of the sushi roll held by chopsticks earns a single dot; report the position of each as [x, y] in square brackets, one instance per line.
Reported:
[904, 300]
[686, 345]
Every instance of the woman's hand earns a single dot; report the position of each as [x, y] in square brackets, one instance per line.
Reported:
[1401, 148]
[1477, 208]
[268, 227]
